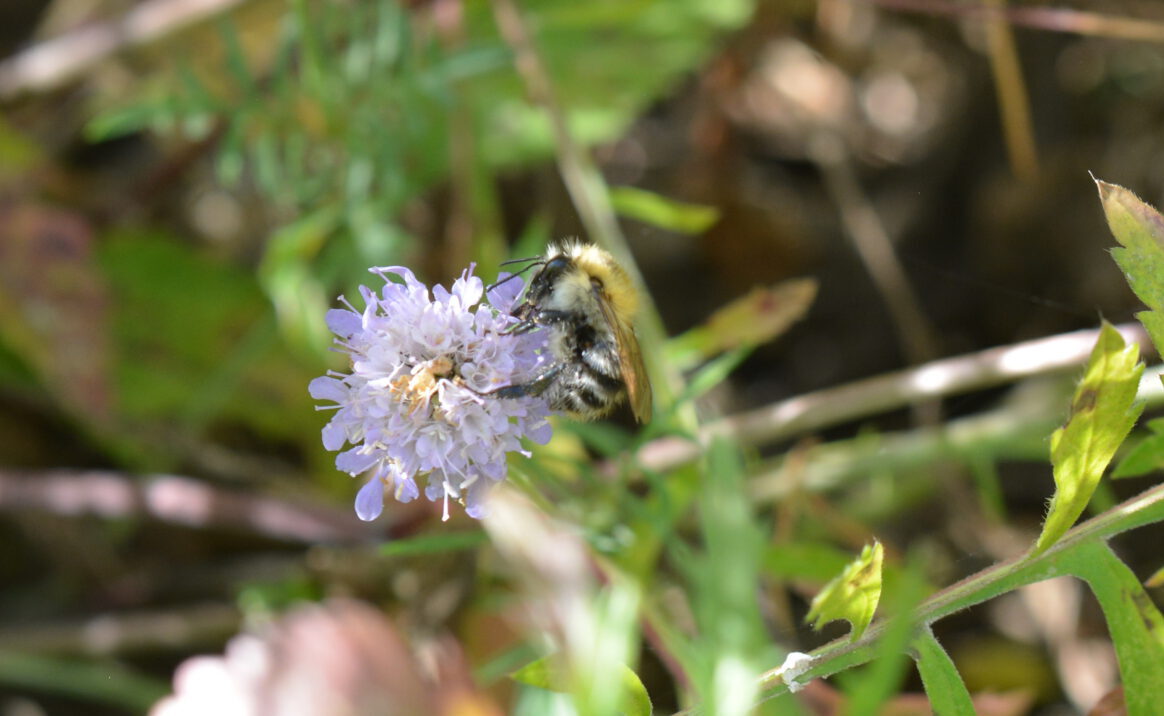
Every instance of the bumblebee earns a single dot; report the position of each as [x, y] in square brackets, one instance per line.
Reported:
[587, 303]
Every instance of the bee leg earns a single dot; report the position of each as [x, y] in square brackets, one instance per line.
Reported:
[534, 388]
[532, 320]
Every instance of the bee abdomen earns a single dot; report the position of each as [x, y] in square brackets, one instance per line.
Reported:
[585, 391]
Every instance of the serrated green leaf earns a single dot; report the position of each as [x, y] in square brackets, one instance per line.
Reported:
[663, 212]
[853, 595]
[1147, 455]
[1103, 412]
[942, 682]
[1140, 230]
[1136, 625]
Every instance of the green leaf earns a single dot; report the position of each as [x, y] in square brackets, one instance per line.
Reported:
[541, 674]
[663, 212]
[1140, 230]
[760, 316]
[545, 674]
[868, 690]
[105, 682]
[725, 576]
[853, 595]
[434, 543]
[1156, 580]
[213, 353]
[1136, 625]
[287, 275]
[943, 683]
[636, 700]
[1147, 455]
[1103, 412]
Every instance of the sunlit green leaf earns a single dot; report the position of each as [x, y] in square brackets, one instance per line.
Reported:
[853, 595]
[1103, 412]
[662, 212]
[869, 689]
[1140, 230]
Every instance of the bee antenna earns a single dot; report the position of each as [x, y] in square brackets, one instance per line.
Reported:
[533, 261]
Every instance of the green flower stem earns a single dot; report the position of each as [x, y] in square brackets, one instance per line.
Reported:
[1058, 560]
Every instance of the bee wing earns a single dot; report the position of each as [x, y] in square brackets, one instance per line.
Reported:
[630, 360]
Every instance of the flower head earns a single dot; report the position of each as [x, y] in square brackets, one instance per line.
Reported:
[416, 403]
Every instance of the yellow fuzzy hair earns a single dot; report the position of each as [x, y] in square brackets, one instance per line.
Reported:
[617, 285]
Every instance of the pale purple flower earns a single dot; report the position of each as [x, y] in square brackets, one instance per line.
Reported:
[416, 403]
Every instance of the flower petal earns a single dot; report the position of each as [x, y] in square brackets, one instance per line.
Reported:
[334, 435]
[370, 500]
[541, 432]
[327, 388]
[344, 323]
[355, 461]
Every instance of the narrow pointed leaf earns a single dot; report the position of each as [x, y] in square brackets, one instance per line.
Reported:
[758, 317]
[663, 212]
[943, 684]
[1136, 625]
[1103, 412]
[853, 595]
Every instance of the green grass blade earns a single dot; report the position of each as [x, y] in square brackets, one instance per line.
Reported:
[726, 577]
